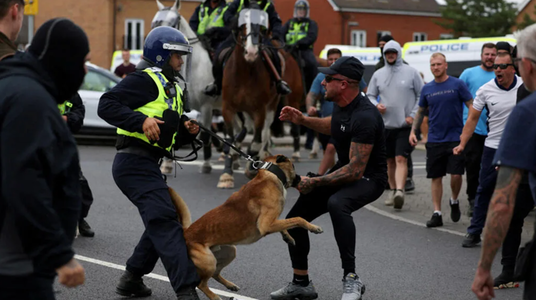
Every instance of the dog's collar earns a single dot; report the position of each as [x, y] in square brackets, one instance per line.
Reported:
[275, 170]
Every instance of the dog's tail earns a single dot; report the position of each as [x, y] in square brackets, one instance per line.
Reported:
[182, 209]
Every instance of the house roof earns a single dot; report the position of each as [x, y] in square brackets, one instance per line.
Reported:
[521, 6]
[416, 6]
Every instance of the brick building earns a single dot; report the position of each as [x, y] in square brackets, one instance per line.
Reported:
[109, 29]
[526, 7]
[362, 22]
[114, 24]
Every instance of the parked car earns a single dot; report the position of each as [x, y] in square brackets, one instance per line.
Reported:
[97, 82]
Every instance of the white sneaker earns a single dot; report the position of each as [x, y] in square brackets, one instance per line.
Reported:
[353, 288]
[398, 199]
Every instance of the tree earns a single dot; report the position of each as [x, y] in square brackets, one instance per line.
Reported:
[478, 18]
[527, 21]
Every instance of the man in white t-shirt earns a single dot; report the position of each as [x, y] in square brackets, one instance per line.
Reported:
[499, 97]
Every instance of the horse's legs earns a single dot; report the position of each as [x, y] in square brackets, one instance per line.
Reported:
[206, 121]
[226, 179]
[266, 134]
[256, 145]
[295, 132]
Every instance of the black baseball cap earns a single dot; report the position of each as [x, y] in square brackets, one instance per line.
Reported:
[503, 46]
[348, 66]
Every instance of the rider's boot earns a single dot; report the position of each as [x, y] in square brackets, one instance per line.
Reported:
[283, 88]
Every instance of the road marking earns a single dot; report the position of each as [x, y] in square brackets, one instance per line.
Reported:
[156, 276]
[402, 219]
[214, 166]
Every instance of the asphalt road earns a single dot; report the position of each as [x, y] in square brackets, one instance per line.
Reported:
[395, 260]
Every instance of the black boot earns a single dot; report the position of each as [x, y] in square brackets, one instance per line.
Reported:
[85, 229]
[212, 90]
[131, 285]
[188, 293]
[283, 88]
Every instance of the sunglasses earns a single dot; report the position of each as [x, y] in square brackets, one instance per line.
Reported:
[502, 66]
[330, 78]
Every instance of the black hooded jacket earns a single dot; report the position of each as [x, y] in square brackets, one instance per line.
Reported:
[40, 193]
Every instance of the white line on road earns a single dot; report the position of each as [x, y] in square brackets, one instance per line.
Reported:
[214, 167]
[394, 217]
[156, 276]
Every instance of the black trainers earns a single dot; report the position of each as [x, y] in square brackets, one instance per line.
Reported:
[435, 221]
[471, 240]
[130, 285]
[85, 229]
[212, 90]
[410, 185]
[455, 213]
[292, 291]
[505, 281]
[188, 293]
[283, 88]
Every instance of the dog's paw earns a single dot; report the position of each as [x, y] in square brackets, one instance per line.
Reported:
[316, 229]
[234, 288]
[289, 240]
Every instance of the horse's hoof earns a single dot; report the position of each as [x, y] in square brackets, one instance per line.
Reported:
[206, 168]
[226, 181]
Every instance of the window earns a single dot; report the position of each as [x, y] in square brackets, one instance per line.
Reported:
[134, 32]
[380, 34]
[419, 36]
[97, 82]
[359, 38]
[446, 36]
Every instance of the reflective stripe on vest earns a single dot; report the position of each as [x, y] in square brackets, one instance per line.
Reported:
[214, 20]
[65, 107]
[258, 2]
[297, 32]
[157, 107]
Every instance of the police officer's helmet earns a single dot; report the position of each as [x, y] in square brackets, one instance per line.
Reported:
[161, 42]
[301, 4]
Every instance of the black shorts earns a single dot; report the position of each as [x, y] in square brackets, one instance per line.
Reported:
[397, 142]
[440, 160]
[324, 140]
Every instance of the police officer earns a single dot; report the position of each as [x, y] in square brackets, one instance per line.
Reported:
[73, 112]
[300, 34]
[147, 108]
[207, 20]
[275, 27]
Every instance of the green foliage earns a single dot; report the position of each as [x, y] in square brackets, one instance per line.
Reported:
[478, 18]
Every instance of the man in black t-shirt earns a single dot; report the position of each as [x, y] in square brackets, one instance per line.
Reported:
[358, 178]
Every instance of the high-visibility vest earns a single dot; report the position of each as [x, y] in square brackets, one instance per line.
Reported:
[297, 32]
[65, 107]
[206, 21]
[258, 2]
[157, 107]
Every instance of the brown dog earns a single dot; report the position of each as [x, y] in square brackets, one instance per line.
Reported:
[248, 215]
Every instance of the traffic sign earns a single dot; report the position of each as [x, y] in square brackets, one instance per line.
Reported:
[30, 7]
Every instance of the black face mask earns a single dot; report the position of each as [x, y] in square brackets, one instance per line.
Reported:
[61, 47]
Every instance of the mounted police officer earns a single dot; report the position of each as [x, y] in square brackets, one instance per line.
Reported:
[207, 20]
[232, 12]
[300, 35]
[147, 108]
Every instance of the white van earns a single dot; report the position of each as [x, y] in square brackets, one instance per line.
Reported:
[369, 56]
[460, 53]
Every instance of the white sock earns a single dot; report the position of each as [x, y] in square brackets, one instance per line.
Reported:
[437, 212]
[452, 201]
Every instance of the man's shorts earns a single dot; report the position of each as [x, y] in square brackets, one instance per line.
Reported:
[397, 142]
[440, 160]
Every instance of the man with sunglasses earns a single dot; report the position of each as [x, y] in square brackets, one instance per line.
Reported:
[515, 158]
[358, 178]
[398, 87]
[499, 96]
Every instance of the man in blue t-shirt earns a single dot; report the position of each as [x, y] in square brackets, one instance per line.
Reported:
[315, 95]
[444, 98]
[474, 78]
[515, 156]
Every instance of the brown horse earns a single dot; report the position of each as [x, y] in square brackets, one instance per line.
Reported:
[247, 87]
[322, 62]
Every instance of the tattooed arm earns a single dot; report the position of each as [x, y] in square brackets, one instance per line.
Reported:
[353, 171]
[419, 116]
[498, 220]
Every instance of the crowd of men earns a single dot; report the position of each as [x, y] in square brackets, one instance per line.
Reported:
[373, 135]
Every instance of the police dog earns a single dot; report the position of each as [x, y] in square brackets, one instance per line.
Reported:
[248, 215]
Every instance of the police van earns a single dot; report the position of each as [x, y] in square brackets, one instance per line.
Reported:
[369, 56]
[460, 53]
[117, 59]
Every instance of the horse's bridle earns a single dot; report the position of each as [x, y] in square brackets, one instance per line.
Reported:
[191, 40]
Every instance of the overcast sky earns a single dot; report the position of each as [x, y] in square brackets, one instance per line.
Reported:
[514, 1]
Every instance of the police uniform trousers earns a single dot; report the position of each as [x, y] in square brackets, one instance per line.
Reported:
[310, 69]
[87, 196]
[140, 179]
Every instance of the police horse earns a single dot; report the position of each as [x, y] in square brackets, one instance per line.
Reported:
[197, 71]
